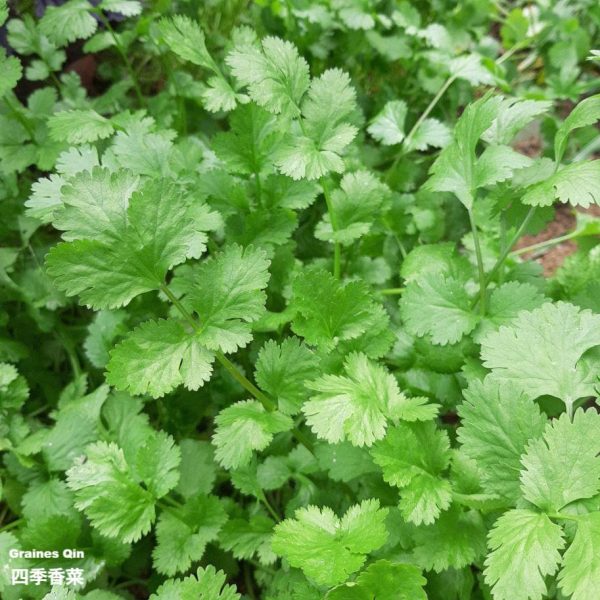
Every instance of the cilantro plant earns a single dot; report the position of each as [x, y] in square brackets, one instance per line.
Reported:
[272, 325]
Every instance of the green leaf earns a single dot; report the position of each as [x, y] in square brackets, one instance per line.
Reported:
[524, 549]
[357, 406]
[11, 73]
[437, 306]
[541, 352]
[106, 491]
[157, 357]
[431, 133]
[577, 183]
[156, 462]
[182, 533]
[282, 370]
[243, 428]
[317, 537]
[79, 126]
[186, 39]
[412, 457]
[69, 22]
[356, 206]
[127, 8]
[328, 311]
[580, 575]
[14, 390]
[383, 580]
[471, 69]
[136, 241]
[325, 133]
[587, 112]
[247, 538]
[102, 332]
[563, 466]
[387, 126]
[198, 468]
[274, 73]
[455, 540]
[497, 421]
[207, 584]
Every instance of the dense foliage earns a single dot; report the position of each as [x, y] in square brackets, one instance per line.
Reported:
[267, 330]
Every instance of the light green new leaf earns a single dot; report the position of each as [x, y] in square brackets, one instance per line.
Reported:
[182, 533]
[275, 74]
[186, 39]
[79, 126]
[358, 406]
[317, 537]
[497, 421]
[68, 22]
[157, 462]
[383, 580]
[282, 370]
[431, 133]
[106, 491]
[587, 112]
[412, 457]
[127, 8]
[388, 125]
[470, 69]
[524, 549]
[580, 575]
[577, 184]
[563, 466]
[541, 352]
[11, 69]
[207, 584]
[242, 429]
[317, 149]
[355, 206]
[158, 356]
[437, 306]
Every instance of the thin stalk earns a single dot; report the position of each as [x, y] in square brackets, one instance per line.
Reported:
[506, 251]
[391, 291]
[11, 525]
[337, 249]
[545, 244]
[258, 188]
[268, 404]
[269, 507]
[587, 150]
[248, 583]
[563, 517]
[121, 51]
[480, 269]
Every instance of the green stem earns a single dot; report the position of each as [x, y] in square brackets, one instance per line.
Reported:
[506, 251]
[11, 525]
[248, 583]
[258, 188]
[391, 291]
[121, 51]
[545, 243]
[563, 517]
[23, 120]
[337, 249]
[269, 507]
[480, 269]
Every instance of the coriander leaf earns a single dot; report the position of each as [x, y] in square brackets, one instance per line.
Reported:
[182, 533]
[577, 183]
[455, 540]
[497, 163]
[247, 538]
[563, 465]
[276, 75]
[412, 457]
[101, 333]
[513, 115]
[497, 421]
[11, 73]
[106, 491]
[79, 126]
[158, 356]
[432, 133]
[316, 537]
[541, 352]
[325, 130]
[198, 468]
[226, 292]
[383, 580]
[524, 549]
[355, 205]
[137, 243]
[69, 22]
[218, 95]
[587, 112]
[127, 8]
[282, 370]
[358, 406]
[388, 125]
[437, 306]
[207, 584]
[328, 311]
[157, 462]
[579, 577]
[243, 428]
[186, 39]
[470, 69]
